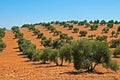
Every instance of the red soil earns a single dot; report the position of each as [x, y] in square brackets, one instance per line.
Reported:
[14, 66]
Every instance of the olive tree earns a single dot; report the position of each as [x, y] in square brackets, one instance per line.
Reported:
[2, 45]
[103, 22]
[113, 33]
[53, 56]
[65, 54]
[114, 43]
[57, 43]
[101, 38]
[110, 25]
[91, 37]
[105, 30]
[83, 33]
[63, 36]
[2, 32]
[47, 42]
[87, 55]
[94, 27]
[118, 29]
[70, 27]
[45, 54]
[116, 51]
[75, 30]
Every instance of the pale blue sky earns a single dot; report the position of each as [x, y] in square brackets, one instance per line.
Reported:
[19, 12]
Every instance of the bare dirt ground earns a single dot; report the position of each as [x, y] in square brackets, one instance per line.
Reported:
[15, 66]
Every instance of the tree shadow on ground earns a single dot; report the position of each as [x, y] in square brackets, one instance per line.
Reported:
[14, 38]
[16, 48]
[83, 72]
[118, 56]
[39, 63]
[50, 66]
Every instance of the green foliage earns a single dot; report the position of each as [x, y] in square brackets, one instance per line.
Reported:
[36, 31]
[25, 25]
[109, 25]
[57, 32]
[18, 35]
[65, 25]
[83, 33]
[94, 27]
[87, 24]
[101, 38]
[69, 39]
[26, 47]
[70, 27]
[2, 45]
[2, 32]
[111, 21]
[15, 28]
[91, 36]
[75, 30]
[63, 36]
[114, 43]
[45, 54]
[65, 54]
[96, 21]
[53, 56]
[105, 30]
[47, 42]
[116, 51]
[103, 22]
[82, 22]
[36, 55]
[32, 27]
[113, 33]
[39, 35]
[51, 28]
[43, 37]
[117, 33]
[118, 29]
[116, 22]
[73, 21]
[87, 55]
[113, 65]
[57, 43]
[80, 48]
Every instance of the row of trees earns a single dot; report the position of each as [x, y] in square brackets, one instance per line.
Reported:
[98, 38]
[25, 46]
[84, 54]
[2, 34]
[84, 22]
[16, 31]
